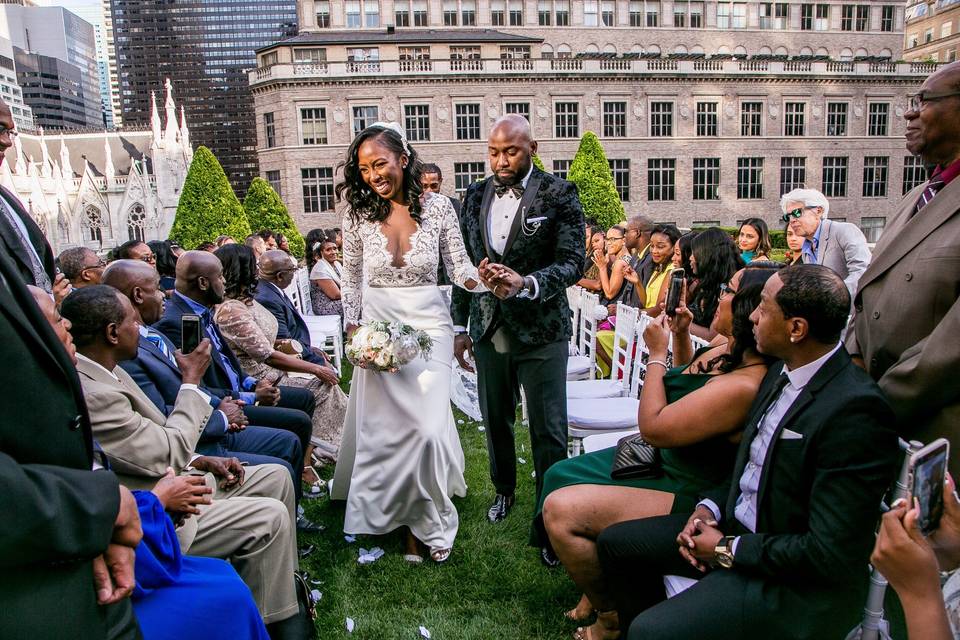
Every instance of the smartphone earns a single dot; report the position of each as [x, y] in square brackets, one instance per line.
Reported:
[674, 292]
[191, 330]
[928, 469]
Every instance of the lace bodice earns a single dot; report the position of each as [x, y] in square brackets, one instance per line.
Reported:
[367, 262]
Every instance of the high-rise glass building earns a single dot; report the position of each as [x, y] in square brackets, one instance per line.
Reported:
[206, 47]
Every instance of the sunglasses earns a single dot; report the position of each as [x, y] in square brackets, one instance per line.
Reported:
[725, 288]
[792, 215]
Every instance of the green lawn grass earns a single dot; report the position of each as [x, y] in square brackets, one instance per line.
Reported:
[493, 587]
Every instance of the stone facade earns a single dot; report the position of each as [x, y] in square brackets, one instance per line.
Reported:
[616, 81]
[932, 31]
[100, 189]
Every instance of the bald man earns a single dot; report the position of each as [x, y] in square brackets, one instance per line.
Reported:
[524, 229]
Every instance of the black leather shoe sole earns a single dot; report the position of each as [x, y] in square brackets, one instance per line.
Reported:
[548, 558]
[499, 509]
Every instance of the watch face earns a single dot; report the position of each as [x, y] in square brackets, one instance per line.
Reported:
[724, 559]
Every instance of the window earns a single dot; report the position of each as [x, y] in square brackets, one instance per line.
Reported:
[846, 17]
[363, 60]
[661, 179]
[653, 13]
[749, 178]
[468, 13]
[621, 177]
[615, 119]
[696, 15]
[414, 58]
[863, 17]
[352, 12]
[793, 118]
[419, 13]
[751, 118]
[273, 177]
[498, 13]
[99, 228]
[914, 173]
[731, 15]
[887, 17]
[561, 168]
[313, 55]
[946, 29]
[467, 121]
[855, 17]
[706, 178]
[793, 173]
[450, 13]
[835, 176]
[636, 13]
[364, 116]
[317, 183]
[270, 129]
[519, 108]
[875, 176]
[872, 227]
[516, 13]
[837, 119]
[136, 219]
[371, 13]
[515, 52]
[806, 17]
[544, 13]
[465, 174]
[773, 15]
[707, 121]
[322, 9]
[822, 22]
[879, 113]
[561, 12]
[680, 13]
[313, 125]
[590, 13]
[661, 119]
[913, 40]
[401, 14]
[567, 119]
[416, 122]
[607, 13]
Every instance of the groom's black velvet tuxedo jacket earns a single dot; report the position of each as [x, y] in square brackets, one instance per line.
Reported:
[550, 250]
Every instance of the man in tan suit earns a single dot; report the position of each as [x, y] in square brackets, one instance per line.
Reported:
[249, 519]
[906, 325]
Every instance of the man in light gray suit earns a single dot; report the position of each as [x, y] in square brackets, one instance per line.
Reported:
[906, 325]
[840, 246]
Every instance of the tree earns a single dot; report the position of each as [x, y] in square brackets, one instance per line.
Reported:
[208, 206]
[538, 163]
[265, 210]
[590, 171]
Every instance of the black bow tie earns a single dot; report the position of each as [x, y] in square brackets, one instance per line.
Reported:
[517, 190]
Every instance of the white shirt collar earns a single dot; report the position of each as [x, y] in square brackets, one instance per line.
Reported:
[801, 376]
[526, 178]
[84, 358]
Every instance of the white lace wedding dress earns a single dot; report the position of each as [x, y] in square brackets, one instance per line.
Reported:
[401, 461]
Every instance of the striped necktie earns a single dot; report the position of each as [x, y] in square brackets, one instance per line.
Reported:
[161, 344]
[40, 277]
[933, 186]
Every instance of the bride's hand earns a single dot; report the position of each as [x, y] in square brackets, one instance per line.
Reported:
[351, 328]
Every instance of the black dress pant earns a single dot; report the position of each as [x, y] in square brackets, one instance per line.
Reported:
[503, 365]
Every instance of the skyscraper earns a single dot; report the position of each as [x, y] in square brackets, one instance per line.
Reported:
[92, 12]
[206, 48]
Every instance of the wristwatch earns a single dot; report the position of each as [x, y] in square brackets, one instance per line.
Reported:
[723, 552]
[526, 291]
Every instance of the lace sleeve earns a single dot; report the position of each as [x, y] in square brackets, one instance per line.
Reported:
[350, 290]
[238, 325]
[455, 259]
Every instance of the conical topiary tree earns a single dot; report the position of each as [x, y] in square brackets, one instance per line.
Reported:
[265, 210]
[598, 193]
[538, 163]
[208, 206]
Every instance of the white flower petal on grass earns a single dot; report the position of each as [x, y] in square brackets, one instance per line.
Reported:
[522, 460]
[533, 474]
[350, 625]
[481, 429]
[316, 595]
[350, 539]
[424, 632]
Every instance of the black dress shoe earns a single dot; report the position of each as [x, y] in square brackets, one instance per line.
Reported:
[549, 558]
[306, 526]
[500, 508]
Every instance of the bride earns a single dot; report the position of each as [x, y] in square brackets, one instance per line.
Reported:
[401, 461]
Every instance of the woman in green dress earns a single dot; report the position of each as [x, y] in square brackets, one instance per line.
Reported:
[693, 413]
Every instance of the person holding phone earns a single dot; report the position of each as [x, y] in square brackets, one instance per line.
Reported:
[662, 241]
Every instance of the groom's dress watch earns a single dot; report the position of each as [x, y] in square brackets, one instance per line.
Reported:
[723, 552]
[528, 290]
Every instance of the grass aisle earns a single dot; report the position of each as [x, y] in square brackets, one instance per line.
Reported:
[492, 588]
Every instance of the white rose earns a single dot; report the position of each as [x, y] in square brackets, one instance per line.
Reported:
[382, 359]
[379, 339]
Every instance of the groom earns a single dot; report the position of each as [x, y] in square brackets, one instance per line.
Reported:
[524, 228]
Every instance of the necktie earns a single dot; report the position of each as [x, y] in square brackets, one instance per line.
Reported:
[501, 189]
[933, 186]
[40, 277]
[772, 396]
[160, 344]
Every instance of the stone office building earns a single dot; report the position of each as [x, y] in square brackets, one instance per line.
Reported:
[708, 111]
[932, 31]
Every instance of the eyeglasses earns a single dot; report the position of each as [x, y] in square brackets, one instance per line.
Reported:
[151, 258]
[725, 288]
[100, 265]
[613, 238]
[13, 133]
[917, 100]
[793, 215]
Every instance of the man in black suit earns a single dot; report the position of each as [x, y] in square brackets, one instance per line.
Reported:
[785, 547]
[524, 228]
[68, 541]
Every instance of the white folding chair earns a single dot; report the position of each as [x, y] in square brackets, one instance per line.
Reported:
[624, 338]
[583, 365]
[327, 333]
[574, 294]
[302, 280]
[293, 292]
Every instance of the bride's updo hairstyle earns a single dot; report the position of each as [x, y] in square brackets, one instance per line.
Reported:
[364, 202]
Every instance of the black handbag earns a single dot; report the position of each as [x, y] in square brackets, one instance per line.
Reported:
[635, 459]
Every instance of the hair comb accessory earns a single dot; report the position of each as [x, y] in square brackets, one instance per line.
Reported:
[396, 128]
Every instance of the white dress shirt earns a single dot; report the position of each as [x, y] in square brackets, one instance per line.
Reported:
[503, 211]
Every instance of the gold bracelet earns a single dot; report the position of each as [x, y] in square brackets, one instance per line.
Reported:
[659, 362]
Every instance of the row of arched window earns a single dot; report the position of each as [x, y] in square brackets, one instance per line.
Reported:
[564, 51]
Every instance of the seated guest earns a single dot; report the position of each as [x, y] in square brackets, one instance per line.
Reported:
[166, 264]
[226, 433]
[753, 239]
[325, 278]
[256, 243]
[714, 258]
[637, 241]
[794, 254]
[175, 595]
[253, 332]
[209, 247]
[81, 266]
[269, 239]
[912, 563]
[681, 260]
[611, 264]
[782, 551]
[654, 292]
[282, 243]
[249, 520]
[222, 240]
[693, 413]
[135, 250]
[596, 242]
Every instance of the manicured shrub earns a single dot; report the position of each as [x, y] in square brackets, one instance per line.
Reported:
[208, 207]
[265, 210]
[590, 171]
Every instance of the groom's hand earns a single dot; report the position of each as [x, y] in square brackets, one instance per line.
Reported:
[462, 344]
[506, 282]
[486, 274]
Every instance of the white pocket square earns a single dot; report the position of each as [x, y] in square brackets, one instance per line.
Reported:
[787, 434]
[536, 220]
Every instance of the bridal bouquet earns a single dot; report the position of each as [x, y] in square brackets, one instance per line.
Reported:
[387, 346]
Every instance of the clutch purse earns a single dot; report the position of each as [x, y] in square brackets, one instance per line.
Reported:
[290, 347]
[635, 459]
